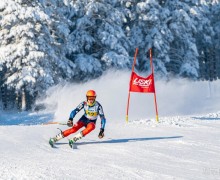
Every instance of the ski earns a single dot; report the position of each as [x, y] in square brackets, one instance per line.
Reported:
[72, 144]
[51, 142]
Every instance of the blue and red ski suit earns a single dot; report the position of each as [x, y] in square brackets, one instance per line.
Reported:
[88, 120]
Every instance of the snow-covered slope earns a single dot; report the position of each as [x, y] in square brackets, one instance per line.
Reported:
[183, 147]
[186, 146]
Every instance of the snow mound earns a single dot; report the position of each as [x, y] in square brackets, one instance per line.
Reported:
[178, 121]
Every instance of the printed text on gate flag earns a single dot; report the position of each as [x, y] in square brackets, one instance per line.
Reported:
[142, 84]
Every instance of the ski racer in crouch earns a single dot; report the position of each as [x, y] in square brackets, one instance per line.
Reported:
[92, 109]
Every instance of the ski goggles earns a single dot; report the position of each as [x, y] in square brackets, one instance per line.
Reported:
[91, 97]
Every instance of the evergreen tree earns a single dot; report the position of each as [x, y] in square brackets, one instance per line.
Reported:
[169, 30]
[215, 21]
[146, 27]
[32, 43]
[205, 41]
[44, 42]
[97, 41]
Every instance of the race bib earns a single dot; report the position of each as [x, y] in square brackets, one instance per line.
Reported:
[91, 113]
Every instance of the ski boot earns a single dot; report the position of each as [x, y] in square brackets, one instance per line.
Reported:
[73, 140]
[53, 140]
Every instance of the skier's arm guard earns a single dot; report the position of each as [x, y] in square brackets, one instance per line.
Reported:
[103, 122]
[102, 117]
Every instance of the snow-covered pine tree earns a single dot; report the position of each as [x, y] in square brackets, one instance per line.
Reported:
[203, 34]
[183, 51]
[32, 43]
[146, 27]
[215, 22]
[43, 42]
[173, 29]
[97, 41]
[200, 12]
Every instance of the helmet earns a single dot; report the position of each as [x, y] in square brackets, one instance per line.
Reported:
[91, 93]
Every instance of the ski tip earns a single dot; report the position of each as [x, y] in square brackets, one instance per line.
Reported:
[51, 143]
[72, 144]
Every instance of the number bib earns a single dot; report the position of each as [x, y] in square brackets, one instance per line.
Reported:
[91, 112]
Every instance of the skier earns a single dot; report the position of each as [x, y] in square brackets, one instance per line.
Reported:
[92, 109]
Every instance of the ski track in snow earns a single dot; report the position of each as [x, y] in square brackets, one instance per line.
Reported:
[180, 147]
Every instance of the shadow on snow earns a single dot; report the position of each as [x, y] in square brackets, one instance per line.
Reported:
[207, 118]
[128, 140]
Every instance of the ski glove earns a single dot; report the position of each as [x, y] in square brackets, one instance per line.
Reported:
[101, 133]
[70, 123]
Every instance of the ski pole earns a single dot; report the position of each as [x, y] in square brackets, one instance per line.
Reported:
[59, 123]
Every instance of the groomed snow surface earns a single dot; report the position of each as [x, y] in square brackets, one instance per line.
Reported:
[178, 147]
[175, 148]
